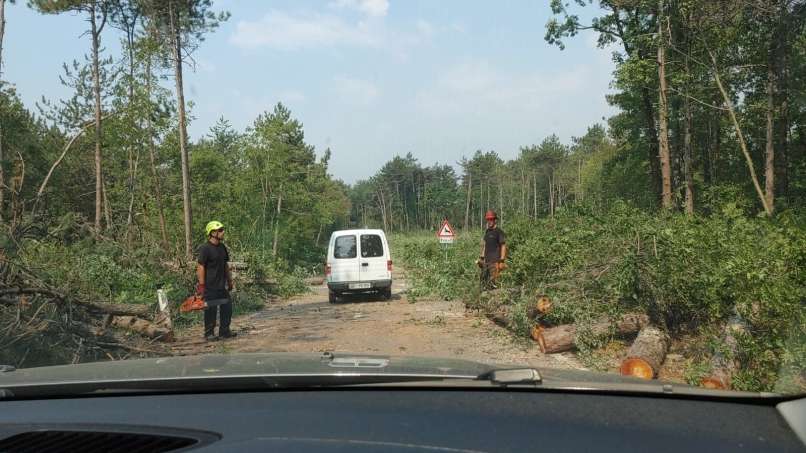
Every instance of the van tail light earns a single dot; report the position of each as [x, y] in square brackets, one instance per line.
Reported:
[389, 265]
[327, 270]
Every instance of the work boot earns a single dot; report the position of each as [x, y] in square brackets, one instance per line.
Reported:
[227, 334]
[210, 338]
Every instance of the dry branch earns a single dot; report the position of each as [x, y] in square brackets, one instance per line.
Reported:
[112, 309]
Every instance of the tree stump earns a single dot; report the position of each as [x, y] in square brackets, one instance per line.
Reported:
[646, 354]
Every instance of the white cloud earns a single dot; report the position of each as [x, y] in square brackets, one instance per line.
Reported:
[355, 91]
[474, 88]
[284, 31]
[375, 8]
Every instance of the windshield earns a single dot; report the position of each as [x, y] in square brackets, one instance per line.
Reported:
[598, 186]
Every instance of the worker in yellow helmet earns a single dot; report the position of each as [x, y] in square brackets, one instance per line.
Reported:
[215, 282]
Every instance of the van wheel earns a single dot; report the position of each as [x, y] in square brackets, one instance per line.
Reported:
[387, 293]
[332, 297]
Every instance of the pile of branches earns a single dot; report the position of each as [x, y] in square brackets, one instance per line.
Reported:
[40, 325]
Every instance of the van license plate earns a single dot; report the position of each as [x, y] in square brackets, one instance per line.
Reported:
[360, 285]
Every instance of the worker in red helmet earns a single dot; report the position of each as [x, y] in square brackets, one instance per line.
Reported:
[493, 252]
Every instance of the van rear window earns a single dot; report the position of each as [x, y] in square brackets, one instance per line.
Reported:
[345, 247]
[371, 246]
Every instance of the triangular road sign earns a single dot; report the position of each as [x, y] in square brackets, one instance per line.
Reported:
[446, 231]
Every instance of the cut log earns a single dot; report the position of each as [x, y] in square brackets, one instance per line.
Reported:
[723, 363]
[646, 354]
[563, 338]
[540, 308]
[143, 327]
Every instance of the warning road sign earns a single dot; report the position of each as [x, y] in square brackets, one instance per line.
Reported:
[445, 233]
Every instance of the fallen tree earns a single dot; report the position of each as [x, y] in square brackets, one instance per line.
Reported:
[563, 338]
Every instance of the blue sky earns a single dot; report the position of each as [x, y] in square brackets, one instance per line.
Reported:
[368, 78]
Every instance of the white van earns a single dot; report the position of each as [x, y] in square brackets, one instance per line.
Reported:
[358, 261]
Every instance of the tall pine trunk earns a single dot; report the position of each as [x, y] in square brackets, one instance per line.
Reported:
[180, 99]
[152, 151]
[687, 142]
[96, 85]
[277, 223]
[663, 120]
[769, 161]
[467, 204]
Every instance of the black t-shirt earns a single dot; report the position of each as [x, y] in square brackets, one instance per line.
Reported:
[214, 258]
[493, 239]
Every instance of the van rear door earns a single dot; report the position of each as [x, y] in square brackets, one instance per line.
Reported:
[373, 257]
[345, 264]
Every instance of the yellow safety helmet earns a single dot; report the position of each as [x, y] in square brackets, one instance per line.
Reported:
[212, 226]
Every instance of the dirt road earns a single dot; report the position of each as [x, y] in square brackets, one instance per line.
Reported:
[370, 325]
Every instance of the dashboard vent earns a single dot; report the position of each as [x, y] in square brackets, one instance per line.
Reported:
[92, 441]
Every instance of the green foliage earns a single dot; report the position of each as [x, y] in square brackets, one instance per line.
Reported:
[690, 274]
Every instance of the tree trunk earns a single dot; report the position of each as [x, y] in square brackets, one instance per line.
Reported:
[107, 210]
[563, 338]
[133, 161]
[180, 100]
[501, 201]
[467, 205]
[524, 187]
[687, 151]
[646, 354]
[152, 151]
[707, 153]
[277, 223]
[739, 134]
[535, 199]
[551, 195]
[481, 204]
[769, 161]
[654, 145]
[96, 85]
[663, 120]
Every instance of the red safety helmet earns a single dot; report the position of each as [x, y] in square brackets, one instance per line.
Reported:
[490, 215]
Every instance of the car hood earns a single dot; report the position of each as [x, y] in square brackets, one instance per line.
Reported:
[199, 368]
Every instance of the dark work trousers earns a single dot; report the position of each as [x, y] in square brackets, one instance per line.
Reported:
[210, 314]
[489, 274]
